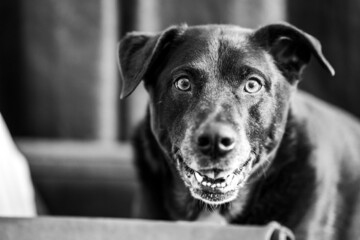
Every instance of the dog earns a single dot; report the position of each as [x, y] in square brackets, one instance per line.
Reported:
[228, 134]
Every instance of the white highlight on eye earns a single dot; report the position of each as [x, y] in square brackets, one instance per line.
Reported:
[253, 85]
[183, 84]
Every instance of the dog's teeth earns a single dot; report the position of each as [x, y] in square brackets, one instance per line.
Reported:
[203, 183]
[208, 184]
[223, 184]
[213, 186]
[198, 177]
[218, 185]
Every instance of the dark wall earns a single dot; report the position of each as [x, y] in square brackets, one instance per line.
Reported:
[11, 92]
[337, 25]
[58, 68]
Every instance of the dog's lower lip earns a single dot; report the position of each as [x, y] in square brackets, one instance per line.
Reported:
[213, 198]
[215, 191]
[231, 181]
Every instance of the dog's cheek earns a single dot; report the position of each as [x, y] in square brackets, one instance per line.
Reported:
[259, 118]
[279, 108]
[181, 133]
[159, 132]
[262, 123]
[159, 117]
[167, 122]
[282, 96]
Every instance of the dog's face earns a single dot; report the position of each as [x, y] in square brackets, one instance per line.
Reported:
[219, 98]
[218, 106]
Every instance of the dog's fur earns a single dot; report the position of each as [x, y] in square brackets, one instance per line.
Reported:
[304, 153]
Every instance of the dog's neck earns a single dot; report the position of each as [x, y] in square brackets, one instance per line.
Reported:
[174, 201]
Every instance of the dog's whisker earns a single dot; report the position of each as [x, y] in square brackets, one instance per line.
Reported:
[201, 205]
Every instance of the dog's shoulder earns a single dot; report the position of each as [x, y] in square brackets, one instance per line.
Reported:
[147, 152]
[304, 103]
[335, 139]
[149, 201]
[324, 120]
[334, 133]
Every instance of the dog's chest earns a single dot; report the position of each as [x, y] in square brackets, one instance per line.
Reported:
[211, 217]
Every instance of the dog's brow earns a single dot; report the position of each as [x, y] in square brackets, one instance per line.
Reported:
[247, 70]
[191, 68]
[243, 71]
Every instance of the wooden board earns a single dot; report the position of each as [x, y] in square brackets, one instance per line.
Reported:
[101, 229]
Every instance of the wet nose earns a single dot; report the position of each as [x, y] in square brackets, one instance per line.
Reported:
[216, 139]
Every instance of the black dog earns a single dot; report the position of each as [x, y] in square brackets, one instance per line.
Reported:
[226, 131]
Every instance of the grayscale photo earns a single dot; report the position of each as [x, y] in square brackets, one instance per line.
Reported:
[169, 119]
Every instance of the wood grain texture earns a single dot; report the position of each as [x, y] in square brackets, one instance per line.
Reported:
[100, 229]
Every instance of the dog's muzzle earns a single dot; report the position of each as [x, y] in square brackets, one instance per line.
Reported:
[217, 190]
[216, 163]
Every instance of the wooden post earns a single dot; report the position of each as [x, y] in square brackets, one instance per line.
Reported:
[70, 68]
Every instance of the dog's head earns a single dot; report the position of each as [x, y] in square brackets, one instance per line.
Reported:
[219, 97]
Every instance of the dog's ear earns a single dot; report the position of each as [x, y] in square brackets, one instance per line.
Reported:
[291, 48]
[138, 52]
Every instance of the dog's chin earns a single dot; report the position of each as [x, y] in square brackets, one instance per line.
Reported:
[216, 191]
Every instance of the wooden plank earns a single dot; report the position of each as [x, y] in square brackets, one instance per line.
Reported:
[101, 229]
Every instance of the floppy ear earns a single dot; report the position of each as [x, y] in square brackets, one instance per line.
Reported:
[137, 53]
[291, 48]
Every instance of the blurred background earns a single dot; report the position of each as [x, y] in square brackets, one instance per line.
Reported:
[59, 83]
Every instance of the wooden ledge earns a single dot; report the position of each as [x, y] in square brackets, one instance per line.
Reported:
[45, 228]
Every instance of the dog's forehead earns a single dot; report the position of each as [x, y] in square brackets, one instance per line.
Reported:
[210, 38]
[221, 45]
[213, 32]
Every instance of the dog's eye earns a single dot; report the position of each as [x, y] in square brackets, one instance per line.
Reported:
[252, 85]
[183, 84]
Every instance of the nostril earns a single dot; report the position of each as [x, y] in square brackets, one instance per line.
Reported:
[204, 142]
[226, 144]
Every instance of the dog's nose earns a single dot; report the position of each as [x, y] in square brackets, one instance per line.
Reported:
[216, 139]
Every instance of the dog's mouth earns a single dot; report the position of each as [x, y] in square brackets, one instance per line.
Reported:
[220, 190]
